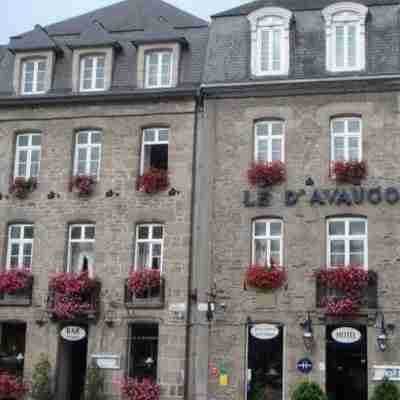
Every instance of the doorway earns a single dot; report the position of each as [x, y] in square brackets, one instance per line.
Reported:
[265, 362]
[71, 371]
[346, 361]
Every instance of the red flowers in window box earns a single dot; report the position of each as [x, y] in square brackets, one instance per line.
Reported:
[349, 171]
[21, 187]
[266, 174]
[142, 282]
[73, 296]
[133, 389]
[15, 280]
[153, 181]
[349, 281]
[270, 277]
[84, 184]
[11, 387]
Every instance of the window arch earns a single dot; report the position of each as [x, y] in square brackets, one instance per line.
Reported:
[347, 241]
[345, 36]
[269, 141]
[346, 139]
[270, 52]
[267, 241]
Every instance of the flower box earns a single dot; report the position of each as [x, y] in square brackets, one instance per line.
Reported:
[133, 389]
[267, 278]
[16, 288]
[73, 297]
[12, 387]
[349, 171]
[153, 181]
[342, 291]
[21, 187]
[84, 185]
[266, 174]
[145, 289]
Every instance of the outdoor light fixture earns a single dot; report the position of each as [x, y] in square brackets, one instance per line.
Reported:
[381, 339]
[308, 335]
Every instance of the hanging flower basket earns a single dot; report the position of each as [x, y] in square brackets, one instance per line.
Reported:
[141, 283]
[73, 296]
[12, 387]
[266, 174]
[153, 181]
[83, 184]
[350, 282]
[133, 389]
[349, 172]
[268, 278]
[21, 187]
[14, 281]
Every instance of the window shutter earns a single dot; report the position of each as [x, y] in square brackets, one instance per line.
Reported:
[265, 53]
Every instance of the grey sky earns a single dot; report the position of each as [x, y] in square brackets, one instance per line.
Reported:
[21, 15]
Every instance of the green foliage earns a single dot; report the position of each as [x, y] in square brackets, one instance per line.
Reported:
[258, 392]
[386, 390]
[308, 391]
[41, 386]
[94, 385]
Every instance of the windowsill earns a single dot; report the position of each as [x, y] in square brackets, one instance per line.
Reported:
[91, 90]
[33, 93]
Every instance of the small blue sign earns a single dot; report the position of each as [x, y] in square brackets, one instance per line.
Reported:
[305, 366]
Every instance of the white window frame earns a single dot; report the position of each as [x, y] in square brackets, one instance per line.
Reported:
[35, 63]
[347, 238]
[269, 137]
[346, 136]
[95, 59]
[268, 237]
[152, 242]
[156, 141]
[270, 19]
[29, 148]
[82, 239]
[89, 146]
[159, 54]
[345, 14]
[20, 241]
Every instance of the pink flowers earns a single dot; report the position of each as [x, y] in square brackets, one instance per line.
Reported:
[11, 387]
[141, 282]
[21, 187]
[349, 172]
[73, 295]
[15, 280]
[133, 389]
[153, 181]
[272, 277]
[84, 184]
[266, 174]
[350, 281]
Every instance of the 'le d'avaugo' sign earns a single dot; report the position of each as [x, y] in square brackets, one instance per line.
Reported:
[322, 197]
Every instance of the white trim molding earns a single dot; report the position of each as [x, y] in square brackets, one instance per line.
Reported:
[264, 18]
[341, 14]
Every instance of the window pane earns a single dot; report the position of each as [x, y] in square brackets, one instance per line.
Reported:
[28, 232]
[28, 88]
[81, 168]
[143, 232]
[352, 45]
[260, 229]
[337, 228]
[96, 137]
[337, 246]
[94, 168]
[262, 129]
[338, 151]
[36, 140]
[166, 69]
[42, 66]
[76, 232]
[15, 232]
[356, 246]
[23, 155]
[14, 262]
[353, 148]
[90, 232]
[260, 256]
[262, 150]
[265, 50]
[29, 67]
[275, 246]
[14, 249]
[276, 228]
[357, 228]
[82, 257]
[276, 150]
[23, 140]
[338, 126]
[354, 126]
[27, 249]
[22, 169]
[143, 255]
[149, 135]
[82, 154]
[163, 135]
[337, 259]
[82, 138]
[35, 155]
[340, 46]
[95, 154]
[276, 128]
[34, 169]
[157, 232]
[100, 83]
[357, 259]
[276, 55]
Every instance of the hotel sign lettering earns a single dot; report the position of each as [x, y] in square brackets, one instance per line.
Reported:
[322, 197]
[391, 372]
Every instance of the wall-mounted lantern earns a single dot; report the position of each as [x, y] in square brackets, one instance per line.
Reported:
[308, 335]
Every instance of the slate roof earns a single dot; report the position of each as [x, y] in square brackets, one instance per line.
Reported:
[125, 24]
[294, 5]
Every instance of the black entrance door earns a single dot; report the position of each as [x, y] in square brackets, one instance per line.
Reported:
[346, 363]
[71, 371]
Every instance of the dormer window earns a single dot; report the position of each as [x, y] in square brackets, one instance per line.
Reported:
[270, 41]
[159, 69]
[345, 37]
[92, 76]
[33, 76]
